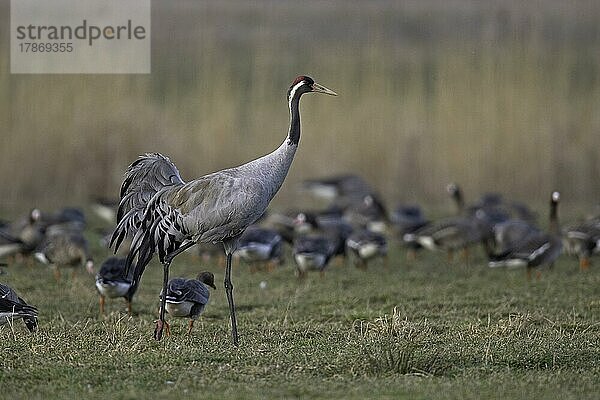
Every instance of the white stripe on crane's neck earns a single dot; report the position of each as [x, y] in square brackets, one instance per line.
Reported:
[293, 92]
[293, 136]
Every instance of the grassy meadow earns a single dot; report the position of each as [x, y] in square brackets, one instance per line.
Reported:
[498, 95]
[420, 329]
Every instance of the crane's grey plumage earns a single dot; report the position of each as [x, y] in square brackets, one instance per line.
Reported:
[167, 215]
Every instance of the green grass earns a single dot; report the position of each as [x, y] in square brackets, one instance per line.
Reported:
[425, 329]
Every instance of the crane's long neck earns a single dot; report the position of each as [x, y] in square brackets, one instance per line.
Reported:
[293, 136]
[273, 167]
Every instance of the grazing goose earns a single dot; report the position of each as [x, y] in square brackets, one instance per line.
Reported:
[338, 188]
[453, 233]
[14, 307]
[22, 236]
[511, 233]
[449, 234]
[472, 226]
[295, 222]
[66, 219]
[407, 220]
[312, 253]
[188, 297]
[111, 282]
[365, 245]
[537, 249]
[367, 212]
[500, 209]
[336, 230]
[422, 233]
[105, 209]
[582, 240]
[328, 223]
[284, 224]
[260, 245]
[65, 249]
[164, 214]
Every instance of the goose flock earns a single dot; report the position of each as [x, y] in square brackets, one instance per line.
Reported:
[354, 227]
[226, 213]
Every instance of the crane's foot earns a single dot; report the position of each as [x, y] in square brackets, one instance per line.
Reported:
[160, 326]
[190, 326]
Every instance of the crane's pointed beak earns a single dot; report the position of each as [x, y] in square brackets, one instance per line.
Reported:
[322, 89]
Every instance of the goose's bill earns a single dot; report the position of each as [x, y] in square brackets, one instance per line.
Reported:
[322, 89]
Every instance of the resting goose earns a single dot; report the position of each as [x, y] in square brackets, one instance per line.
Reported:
[537, 249]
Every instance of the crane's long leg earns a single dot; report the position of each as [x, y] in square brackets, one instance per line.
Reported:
[229, 291]
[161, 324]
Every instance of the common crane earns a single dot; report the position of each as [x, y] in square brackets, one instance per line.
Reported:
[164, 214]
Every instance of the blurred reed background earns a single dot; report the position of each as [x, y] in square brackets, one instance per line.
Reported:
[494, 95]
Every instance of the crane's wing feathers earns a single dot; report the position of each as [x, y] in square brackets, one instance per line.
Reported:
[144, 178]
[220, 206]
[212, 208]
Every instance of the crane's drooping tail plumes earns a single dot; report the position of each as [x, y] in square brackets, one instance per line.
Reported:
[140, 214]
